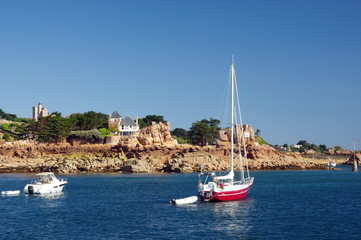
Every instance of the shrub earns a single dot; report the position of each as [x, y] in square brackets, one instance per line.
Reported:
[5, 126]
[91, 135]
[6, 137]
[104, 132]
[180, 140]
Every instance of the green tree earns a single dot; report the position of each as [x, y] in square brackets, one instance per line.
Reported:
[22, 129]
[141, 123]
[57, 114]
[304, 144]
[323, 148]
[338, 148]
[7, 116]
[179, 132]
[88, 121]
[204, 132]
[153, 118]
[49, 129]
[314, 147]
[302, 149]
[258, 133]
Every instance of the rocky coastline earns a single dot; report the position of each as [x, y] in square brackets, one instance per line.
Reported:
[152, 150]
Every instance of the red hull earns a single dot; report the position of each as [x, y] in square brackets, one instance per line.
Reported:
[225, 195]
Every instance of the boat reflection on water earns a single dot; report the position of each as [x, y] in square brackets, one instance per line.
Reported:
[49, 200]
[234, 217]
[57, 195]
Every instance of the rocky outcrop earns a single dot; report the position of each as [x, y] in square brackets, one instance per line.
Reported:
[354, 157]
[246, 131]
[151, 150]
[339, 151]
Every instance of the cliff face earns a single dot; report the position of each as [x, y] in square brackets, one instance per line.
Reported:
[154, 136]
[151, 150]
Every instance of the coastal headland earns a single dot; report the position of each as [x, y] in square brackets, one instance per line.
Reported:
[152, 150]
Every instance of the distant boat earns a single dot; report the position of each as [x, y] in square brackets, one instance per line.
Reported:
[355, 163]
[331, 164]
[215, 188]
[45, 182]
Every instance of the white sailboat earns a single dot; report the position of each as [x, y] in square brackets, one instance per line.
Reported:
[227, 188]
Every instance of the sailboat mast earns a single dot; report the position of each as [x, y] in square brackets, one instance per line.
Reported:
[232, 113]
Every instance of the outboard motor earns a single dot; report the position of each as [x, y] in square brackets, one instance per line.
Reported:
[30, 189]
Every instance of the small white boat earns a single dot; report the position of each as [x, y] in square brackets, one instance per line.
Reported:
[331, 164]
[45, 182]
[186, 200]
[10, 192]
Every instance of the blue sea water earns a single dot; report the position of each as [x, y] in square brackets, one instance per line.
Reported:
[281, 205]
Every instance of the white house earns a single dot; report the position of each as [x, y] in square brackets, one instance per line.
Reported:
[126, 126]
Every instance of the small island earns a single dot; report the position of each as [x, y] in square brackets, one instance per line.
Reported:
[99, 143]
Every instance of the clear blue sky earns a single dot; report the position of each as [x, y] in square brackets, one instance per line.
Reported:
[298, 63]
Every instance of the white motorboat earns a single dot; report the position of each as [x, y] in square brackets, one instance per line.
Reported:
[10, 192]
[186, 200]
[331, 164]
[45, 182]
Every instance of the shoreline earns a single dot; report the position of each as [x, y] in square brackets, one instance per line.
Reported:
[64, 158]
[65, 165]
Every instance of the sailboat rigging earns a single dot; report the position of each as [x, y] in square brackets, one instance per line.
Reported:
[215, 188]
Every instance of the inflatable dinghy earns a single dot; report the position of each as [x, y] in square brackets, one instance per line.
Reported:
[10, 192]
[186, 200]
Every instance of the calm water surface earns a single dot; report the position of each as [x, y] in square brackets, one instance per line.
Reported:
[281, 205]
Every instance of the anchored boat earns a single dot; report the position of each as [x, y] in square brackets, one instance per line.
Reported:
[226, 187]
[331, 164]
[10, 192]
[182, 201]
[45, 182]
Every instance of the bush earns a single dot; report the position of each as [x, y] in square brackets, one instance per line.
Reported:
[6, 137]
[14, 125]
[91, 135]
[5, 126]
[181, 140]
[104, 132]
[23, 120]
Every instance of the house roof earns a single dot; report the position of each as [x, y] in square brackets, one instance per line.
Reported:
[115, 114]
[128, 122]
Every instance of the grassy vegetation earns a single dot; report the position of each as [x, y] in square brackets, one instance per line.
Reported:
[180, 140]
[261, 141]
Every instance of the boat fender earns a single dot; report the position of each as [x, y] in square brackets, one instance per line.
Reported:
[31, 189]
